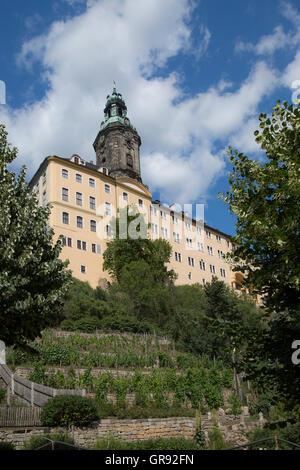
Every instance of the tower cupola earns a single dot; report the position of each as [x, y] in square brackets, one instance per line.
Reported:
[117, 143]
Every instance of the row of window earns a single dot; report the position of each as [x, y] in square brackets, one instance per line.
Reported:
[79, 221]
[79, 179]
[65, 195]
[81, 245]
[202, 265]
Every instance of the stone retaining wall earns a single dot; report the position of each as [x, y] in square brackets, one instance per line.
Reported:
[233, 428]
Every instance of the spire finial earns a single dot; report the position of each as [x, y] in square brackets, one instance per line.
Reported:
[115, 88]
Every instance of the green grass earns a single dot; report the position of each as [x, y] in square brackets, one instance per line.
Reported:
[113, 443]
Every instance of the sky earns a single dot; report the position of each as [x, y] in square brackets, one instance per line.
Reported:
[195, 75]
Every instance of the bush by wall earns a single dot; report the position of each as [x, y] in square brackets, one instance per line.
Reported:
[66, 410]
[38, 441]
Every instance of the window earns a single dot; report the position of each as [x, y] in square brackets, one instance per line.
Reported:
[190, 276]
[67, 241]
[79, 199]
[177, 256]
[176, 237]
[210, 250]
[65, 218]
[164, 232]
[188, 226]
[220, 254]
[108, 231]
[91, 182]
[65, 173]
[191, 261]
[96, 248]
[212, 269]
[218, 238]
[81, 245]
[65, 194]
[104, 171]
[44, 178]
[154, 229]
[140, 201]
[189, 242]
[202, 265]
[198, 230]
[44, 198]
[83, 269]
[129, 161]
[153, 210]
[222, 272]
[92, 203]
[203, 281]
[175, 220]
[200, 246]
[107, 208]
[107, 188]
[93, 225]
[76, 160]
[79, 221]
[208, 234]
[163, 215]
[125, 197]
[78, 178]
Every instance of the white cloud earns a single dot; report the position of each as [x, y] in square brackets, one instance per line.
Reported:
[278, 39]
[127, 41]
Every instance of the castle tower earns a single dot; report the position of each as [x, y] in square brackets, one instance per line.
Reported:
[117, 144]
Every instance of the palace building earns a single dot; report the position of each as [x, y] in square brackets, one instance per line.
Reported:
[85, 195]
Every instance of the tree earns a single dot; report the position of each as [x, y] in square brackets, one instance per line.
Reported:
[33, 280]
[131, 243]
[265, 197]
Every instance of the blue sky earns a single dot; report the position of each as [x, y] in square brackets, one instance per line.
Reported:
[194, 75]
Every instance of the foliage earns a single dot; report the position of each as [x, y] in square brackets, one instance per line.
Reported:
[131, 244]
[2, 394]
[236, 405]
[268, 359]
[6, 446]
[66, 410]
[178, 443]
[33, 280]
[38, 441]
[199, 436]
[265, 198]
[290, 432]
[216, 440]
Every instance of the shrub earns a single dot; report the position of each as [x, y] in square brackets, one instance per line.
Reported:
[236, 405]
[6, 446]
[123, 323]
[2, 394]
[66, 410]
[148, 444]
[216, 440]
[291, 432]
[38, 441]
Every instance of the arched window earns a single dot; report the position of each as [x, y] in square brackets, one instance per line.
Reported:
[129, 160]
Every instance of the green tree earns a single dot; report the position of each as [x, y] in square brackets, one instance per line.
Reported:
[131, 243]
[33, 280]
[265, 197]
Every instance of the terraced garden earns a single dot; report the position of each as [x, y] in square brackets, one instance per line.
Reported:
[150, 369]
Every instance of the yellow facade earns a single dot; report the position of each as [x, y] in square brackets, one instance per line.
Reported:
[80, 195]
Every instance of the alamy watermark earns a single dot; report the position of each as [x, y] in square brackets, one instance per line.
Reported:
[2, 92]
[296, 87]
[296, 354]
